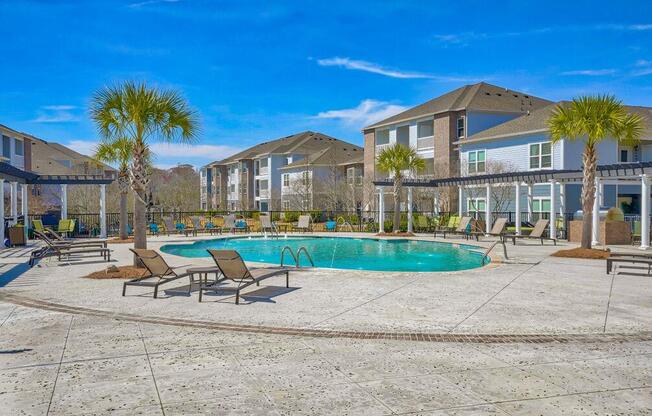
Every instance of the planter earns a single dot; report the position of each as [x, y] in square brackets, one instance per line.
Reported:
[611, 232]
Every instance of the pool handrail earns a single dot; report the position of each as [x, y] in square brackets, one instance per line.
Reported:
[298, 258]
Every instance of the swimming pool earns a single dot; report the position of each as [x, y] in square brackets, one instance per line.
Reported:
[345, 252]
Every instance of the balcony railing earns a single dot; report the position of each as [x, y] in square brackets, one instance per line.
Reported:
[264, 193]
[263, 171]
[425, 143]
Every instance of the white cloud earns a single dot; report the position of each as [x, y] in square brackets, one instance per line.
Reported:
[367, 112]
[591, 72]
[358, 65]
[140, 4]
[56, 114]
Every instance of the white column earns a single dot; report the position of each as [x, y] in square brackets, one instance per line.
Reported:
[2, 213]
[435, 204]
[530, 199]
[102, 211]
[517, 207]
[562, 199]
[645, 212]
[487, 210]
[64, 201]
[14, 201]
[596, 214]
[460, 210]
[381, 210]
[409, 201]
[553, 218]
[24, 209]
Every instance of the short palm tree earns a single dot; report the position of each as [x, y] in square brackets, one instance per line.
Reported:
[592, 119]
[118, 151]
[396, 161]
[141, 114]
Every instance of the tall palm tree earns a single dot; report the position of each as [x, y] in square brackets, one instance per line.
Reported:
[396, 160]
[119, 151]
[142, 114]
[592, 119]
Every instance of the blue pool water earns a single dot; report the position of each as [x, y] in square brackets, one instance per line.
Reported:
[345, 253]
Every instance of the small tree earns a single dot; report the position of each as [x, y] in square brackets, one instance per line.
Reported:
[592, 119]
[396, 161]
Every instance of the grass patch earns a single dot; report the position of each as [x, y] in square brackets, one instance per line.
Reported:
[115, 272]
[583, 253]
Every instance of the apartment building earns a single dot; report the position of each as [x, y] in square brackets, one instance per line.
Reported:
[330, 179]
[251, 179]
[523, 144]
[432, 128]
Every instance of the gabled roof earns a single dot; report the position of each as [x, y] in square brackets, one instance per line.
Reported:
[337, 155]
[536, 122]
[480, 97]
[306, 142]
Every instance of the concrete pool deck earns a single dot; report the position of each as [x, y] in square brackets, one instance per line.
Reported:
[75, 346]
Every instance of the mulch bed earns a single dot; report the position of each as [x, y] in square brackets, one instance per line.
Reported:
[583, 253]
[117, 240]
[121, 272]
[395, 235]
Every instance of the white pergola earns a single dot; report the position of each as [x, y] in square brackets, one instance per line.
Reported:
[15, 177]
[622, 174]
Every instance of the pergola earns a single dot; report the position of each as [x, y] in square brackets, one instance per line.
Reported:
[16, 176]
[624, 173]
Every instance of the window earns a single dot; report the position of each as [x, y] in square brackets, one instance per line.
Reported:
[6, 147]
[425, 128]
[540, 205]
[232, 187]
[460, 127]
[20, 148]
[286, 179]
[263, 163]
[476, 205]
[541, 155]
[476, 162]
[306, 178]
[285, 205]
[403, 135]
[623, 156]
[382, 137]
[350, 175]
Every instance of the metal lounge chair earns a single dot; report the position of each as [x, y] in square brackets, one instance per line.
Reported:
[159, 271]
[629, 258]
[169, 226]
[498, 229]
[233, 268]
[463, 228]
[102, 243]
[266, 225]
[65, 250]
[453, 222]
[422, 224]
[536, 234]
[303, 224]
[229, 223]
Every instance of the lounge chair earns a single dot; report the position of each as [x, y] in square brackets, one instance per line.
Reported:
[422, 224]
[233, 268]
[65, 250]
[498, 229]
[266, 225]
[451, 225]
[629, 258]
[463, 228]
[304, 224]
[170, 227]
[159, 270]
[536, 234]
[229, 223]
[66, 226]
[102, 243]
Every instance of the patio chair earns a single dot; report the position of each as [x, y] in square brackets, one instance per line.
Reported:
[629, 258]
[212, 228]
[451, 225]
[422, 225]
[61, 251]
[636, 232]
[159, 272]
[536, 234]
[170, 227]
[71, 243]
[498, 229]
[304, 224]
[331, 225]
[233, 268]
[229, 223]
[463, 228]
[66, 226]
[266, 225]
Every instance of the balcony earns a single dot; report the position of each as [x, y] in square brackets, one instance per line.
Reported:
[263, 171]
[425, 143]
[264, 193]
[381, 147]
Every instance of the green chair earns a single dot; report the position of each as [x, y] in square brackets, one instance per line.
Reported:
[66, 226]
[636, 233]
[422, 224]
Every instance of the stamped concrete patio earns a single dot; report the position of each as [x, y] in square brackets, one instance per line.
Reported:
[326, 345]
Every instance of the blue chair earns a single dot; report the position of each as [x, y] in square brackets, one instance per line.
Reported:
[331, 225]
[153, 228]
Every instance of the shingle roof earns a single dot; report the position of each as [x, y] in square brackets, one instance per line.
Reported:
[306, 142]
[338, 155]
[480, 96]
[536, 122]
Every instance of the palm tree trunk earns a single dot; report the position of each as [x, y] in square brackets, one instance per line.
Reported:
[123, 185]
[590, 162]
[396, 223]
[139, 185]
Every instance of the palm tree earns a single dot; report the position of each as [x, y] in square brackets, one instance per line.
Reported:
[592, 119]
[141, 115]
[395, 160]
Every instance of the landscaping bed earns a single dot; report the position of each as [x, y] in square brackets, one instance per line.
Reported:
[583, 253]
[115, 272]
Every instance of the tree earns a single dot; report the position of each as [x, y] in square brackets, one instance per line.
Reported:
[142, 114]
[119, 151]
[395, 161]
[592, 119]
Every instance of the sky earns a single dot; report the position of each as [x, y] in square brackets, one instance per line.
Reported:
[256, 71]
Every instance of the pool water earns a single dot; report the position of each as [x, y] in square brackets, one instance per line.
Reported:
[344, 252]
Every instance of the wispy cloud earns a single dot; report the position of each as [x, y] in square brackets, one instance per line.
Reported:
[643, 68]
[61, 113]
[591, 72]
[359, 65]
[141, 4]
[365, 113]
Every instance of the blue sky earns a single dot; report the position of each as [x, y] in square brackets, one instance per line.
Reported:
[263, 70]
